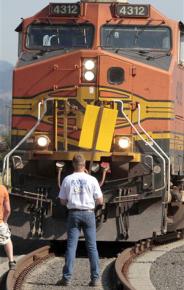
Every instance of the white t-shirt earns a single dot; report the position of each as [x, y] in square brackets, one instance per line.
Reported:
[80, 189]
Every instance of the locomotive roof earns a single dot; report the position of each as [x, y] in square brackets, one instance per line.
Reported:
[87, 5]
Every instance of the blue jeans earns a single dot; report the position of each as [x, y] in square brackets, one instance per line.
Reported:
[84, 220]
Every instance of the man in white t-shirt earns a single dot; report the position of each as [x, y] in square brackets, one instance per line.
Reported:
[80, 192]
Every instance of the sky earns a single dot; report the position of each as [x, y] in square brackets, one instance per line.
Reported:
[11, 12]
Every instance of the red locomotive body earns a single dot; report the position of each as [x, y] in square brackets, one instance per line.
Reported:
[115, 56]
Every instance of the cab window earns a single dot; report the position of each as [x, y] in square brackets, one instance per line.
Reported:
[52, 37]
[136, 37]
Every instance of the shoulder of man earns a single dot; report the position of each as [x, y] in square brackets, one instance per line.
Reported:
[92, 178]
[68, 177]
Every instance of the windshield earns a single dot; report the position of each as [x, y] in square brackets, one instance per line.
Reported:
[136, 37]
[52, 37]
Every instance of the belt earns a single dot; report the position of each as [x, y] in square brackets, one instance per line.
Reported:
[77, 209]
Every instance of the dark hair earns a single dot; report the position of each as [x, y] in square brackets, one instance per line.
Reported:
[78, 160]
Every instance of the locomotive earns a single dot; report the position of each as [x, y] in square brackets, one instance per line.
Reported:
[105, 78]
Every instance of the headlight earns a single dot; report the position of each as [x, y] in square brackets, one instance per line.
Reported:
[89, 76]
[124, 142]
[89, 64]
[43, 141]
[89, 69]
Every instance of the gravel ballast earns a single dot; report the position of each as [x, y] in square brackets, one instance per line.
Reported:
[167, 272]
[46, 275]
[162, 268]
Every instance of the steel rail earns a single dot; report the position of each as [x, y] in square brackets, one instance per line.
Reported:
[125, 258]
[15, 277]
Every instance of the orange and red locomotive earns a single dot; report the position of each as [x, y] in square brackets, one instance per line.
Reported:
[115, 72]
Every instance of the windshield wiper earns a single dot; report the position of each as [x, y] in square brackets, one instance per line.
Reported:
[144, 53]
[139, 51]
[40, 53]
[43, 51]
[153, 57]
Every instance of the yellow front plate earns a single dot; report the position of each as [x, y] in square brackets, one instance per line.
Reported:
[98, 126]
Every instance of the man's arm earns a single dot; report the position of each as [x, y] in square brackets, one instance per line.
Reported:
[99, 201]
[98, 196]
[6, 210]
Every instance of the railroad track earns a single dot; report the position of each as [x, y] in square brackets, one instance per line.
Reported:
[125, 259]
[32, 271]
[15, 279]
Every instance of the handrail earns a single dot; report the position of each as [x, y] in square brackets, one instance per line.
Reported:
[168, 191]
[164, 203]
[147, 143]
[39, 118]
[7, 156]
[156, 144]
